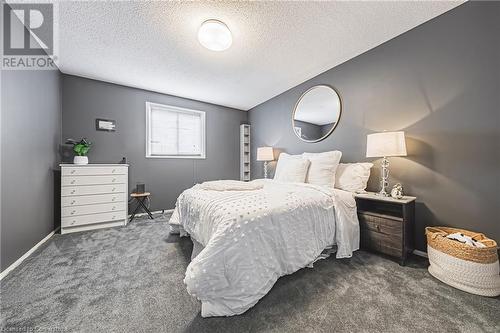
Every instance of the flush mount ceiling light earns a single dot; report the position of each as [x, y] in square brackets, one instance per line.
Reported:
[215, 35]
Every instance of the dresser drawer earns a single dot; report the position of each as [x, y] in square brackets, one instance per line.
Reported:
[381, 223]
[382, 243]
[91, 199]
[73, 221]
[93, 180]
[92, 189]
[92, 209]
[93, 170]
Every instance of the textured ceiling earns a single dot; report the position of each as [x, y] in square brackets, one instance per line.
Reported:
[276, 45]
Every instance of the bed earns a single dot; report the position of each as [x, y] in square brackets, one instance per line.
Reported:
[247, 235]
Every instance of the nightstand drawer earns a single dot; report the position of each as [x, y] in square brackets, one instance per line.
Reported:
[381, 223]
[387, 244]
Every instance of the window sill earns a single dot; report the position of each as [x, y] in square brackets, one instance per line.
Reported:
[177, 157]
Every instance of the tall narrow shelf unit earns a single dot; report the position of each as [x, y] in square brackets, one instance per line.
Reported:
[245, 152]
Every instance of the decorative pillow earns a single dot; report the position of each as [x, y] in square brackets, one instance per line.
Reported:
[291, 168]
[352, 177]
[323, 167]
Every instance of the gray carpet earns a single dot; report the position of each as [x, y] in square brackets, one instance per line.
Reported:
[130, 280]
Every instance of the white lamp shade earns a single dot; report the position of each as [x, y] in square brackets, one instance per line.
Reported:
[386, 144]
[265, 154]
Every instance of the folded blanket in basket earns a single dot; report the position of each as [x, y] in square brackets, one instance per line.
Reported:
[465, 239]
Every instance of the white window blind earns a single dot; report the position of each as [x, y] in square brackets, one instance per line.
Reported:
[174, 132]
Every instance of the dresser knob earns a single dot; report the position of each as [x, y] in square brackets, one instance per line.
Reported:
[113, 189]
[73, 202]
[72, 171]
[73, 181]
[113, 217]
[113, 198]
[73, 212]
[113, 171]
[113, 208]
[73, 192]
[113, 180]
[73, 222]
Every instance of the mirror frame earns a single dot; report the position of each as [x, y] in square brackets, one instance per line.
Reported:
[297, 104]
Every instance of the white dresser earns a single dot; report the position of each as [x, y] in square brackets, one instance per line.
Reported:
[93, 196]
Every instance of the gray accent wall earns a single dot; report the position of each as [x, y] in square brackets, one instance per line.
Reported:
[440, 83]
[84, 100]
[31, 133]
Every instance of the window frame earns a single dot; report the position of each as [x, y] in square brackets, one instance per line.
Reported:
[149, 106]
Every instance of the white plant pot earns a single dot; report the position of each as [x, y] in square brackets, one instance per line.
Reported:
[81, 160]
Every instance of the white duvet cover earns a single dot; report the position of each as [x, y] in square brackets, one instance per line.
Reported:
[251, 238]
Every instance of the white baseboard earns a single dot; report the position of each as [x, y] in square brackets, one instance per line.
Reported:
[26, 255]
[420, 253]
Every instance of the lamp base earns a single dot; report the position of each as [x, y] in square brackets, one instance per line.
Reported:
[385, 177]
[383, 193]
[265, 169]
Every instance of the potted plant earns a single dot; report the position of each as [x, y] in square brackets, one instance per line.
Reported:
[81, 149]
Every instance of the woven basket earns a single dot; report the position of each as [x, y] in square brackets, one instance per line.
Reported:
[436, 238]
[471, 269]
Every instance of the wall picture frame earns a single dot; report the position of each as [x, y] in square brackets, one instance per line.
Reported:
[106, 125]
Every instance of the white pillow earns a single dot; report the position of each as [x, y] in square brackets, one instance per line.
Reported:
[291, 168]
[323, 167]
[352, 177]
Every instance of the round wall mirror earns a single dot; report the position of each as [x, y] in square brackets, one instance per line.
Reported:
[316, 113]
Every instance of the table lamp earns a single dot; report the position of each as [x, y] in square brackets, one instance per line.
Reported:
[384, 145]
[265, 154]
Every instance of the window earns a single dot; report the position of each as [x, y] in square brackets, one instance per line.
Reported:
[173, 132]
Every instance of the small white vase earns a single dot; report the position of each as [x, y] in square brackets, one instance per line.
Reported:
[81, 160]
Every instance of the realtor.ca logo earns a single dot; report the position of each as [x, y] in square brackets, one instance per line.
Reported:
[28, 36]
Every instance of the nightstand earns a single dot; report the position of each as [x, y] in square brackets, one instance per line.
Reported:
[386, 224]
